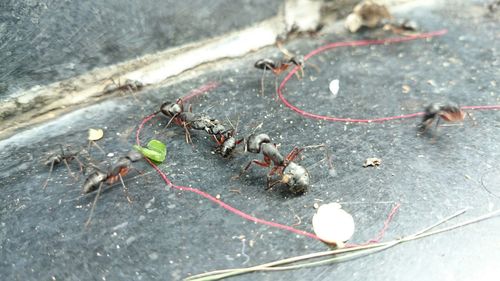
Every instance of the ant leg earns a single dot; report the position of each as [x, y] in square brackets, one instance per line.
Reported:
[188, 135]
[50, 173]
[69, 169]
[125, 189]
[87, 223]
[436, 130]
[298, 75]
[172, 119]
[437, 124]
[270, 183]
[293, 154]
[80, 163]
[98, 146]
[276, 86]
[469, 115]
[266, 163]
[313, 66]
[425, 125]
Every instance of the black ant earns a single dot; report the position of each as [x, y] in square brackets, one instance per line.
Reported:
[224, 137]
[65, 157]
[435, 111]
[226, 140]
[177, 115]
[278, 67]
[292, 174]
[116, 172]
[493, 6]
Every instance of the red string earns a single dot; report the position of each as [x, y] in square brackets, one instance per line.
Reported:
[213, 199]
[219, 202]
[364, 43]
[203, 89]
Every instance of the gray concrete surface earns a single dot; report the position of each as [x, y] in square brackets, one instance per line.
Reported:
[167, 235]
[46, 41]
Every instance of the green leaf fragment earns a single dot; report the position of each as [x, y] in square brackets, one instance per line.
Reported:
[155, 150]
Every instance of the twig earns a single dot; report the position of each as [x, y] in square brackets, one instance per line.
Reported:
[362, 250]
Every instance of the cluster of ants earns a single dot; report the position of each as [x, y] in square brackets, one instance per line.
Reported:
[289, 173]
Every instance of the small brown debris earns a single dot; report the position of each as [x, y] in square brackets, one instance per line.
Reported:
[406, 89]
[373, 162]
[367, 13]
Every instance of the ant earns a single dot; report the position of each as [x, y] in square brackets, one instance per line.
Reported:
[129, 85]
[278, 67]
[226, 142]
[57, 158]
[177, 114]
[116, 172]
[292, 174]
[225, 139]
[435, 111]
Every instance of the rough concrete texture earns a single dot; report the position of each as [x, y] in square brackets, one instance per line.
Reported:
[166, 234]
[46, 41]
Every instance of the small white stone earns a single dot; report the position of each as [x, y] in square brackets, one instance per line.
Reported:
[332, 224]
[334, 87]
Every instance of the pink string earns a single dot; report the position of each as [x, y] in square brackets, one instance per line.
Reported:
[203, 89]
[364, 43]
[212, 198]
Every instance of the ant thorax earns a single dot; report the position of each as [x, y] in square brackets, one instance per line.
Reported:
[254, 142]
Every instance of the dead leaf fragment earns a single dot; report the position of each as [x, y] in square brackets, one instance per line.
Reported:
[373, 162]
[95, 134]
[367, 13]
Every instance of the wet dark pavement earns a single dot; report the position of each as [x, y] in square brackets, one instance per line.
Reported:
[168, 234]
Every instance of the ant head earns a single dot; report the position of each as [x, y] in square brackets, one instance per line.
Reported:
[265, 64]
[296, 177]
[298, 61]
[171, 109]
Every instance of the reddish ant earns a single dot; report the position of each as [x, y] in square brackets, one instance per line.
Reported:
[435, 111]
[277, 67]
[116, 172]
[57, 158]
[293, 175]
